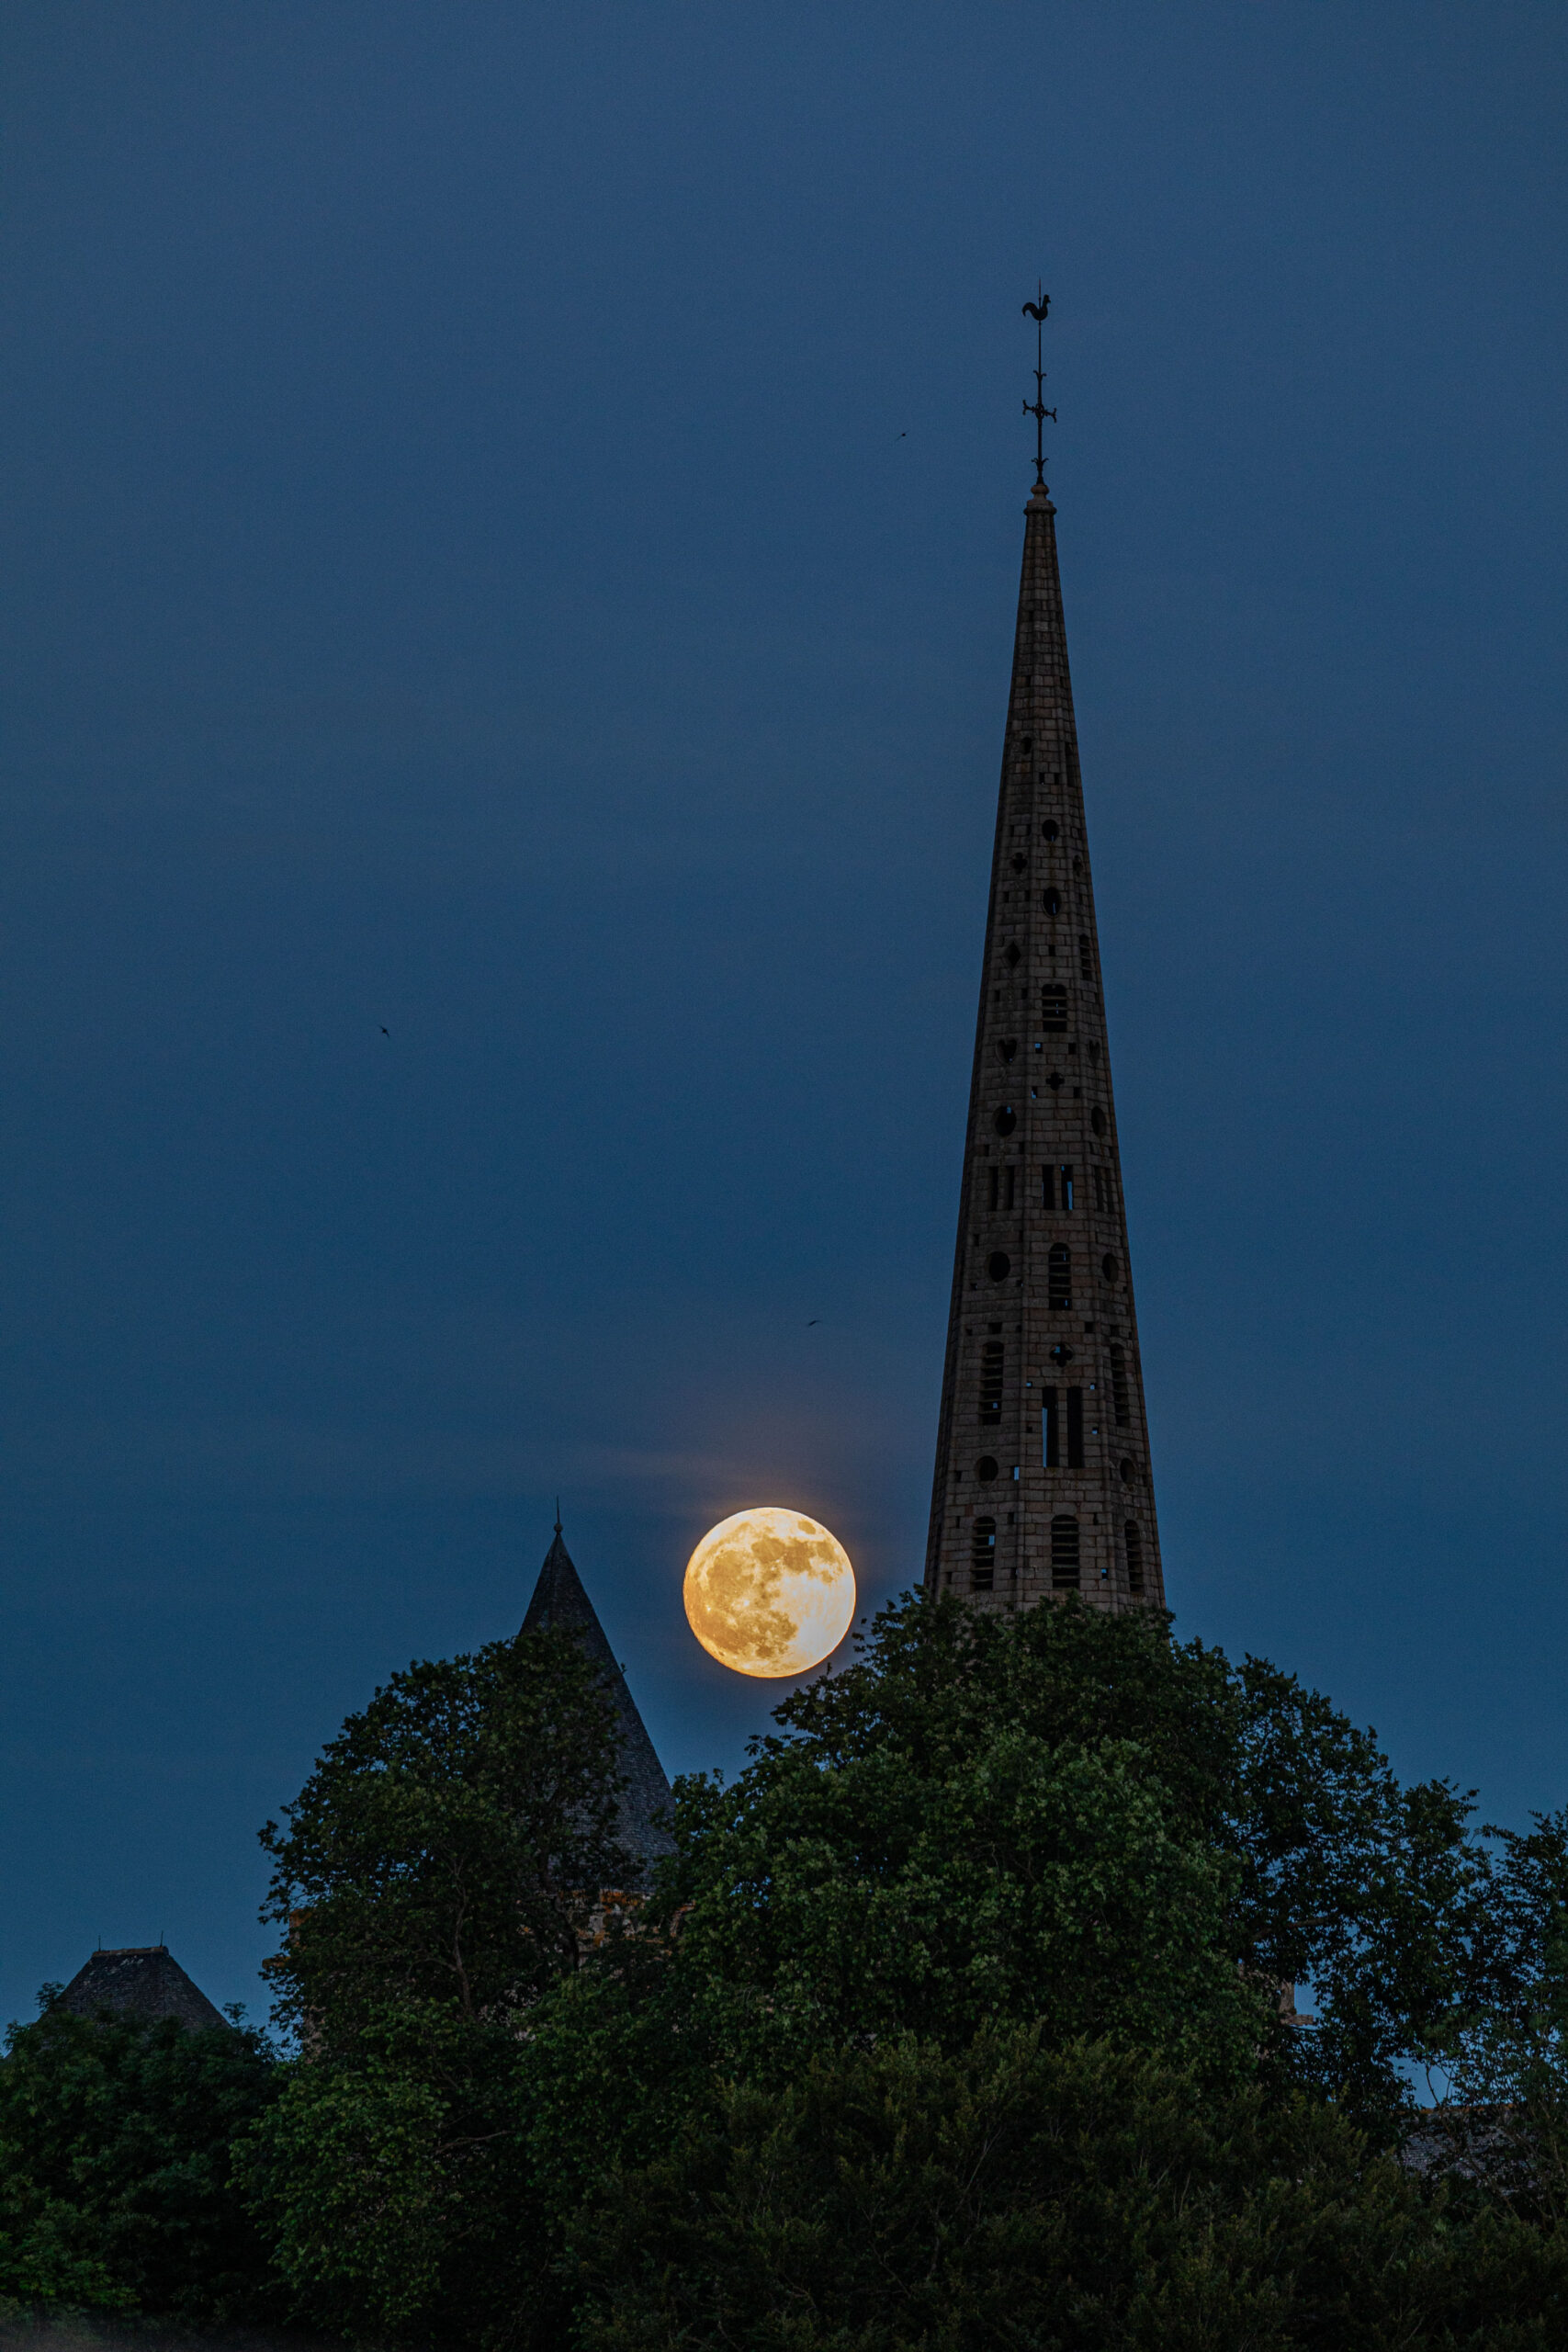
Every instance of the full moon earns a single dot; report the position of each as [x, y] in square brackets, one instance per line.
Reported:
[770, 1592]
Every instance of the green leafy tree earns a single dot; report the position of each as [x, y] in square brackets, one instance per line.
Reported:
[440, 1869]
[1063, 1823]
[1000, 1870]
[448, 1852]
[1503, 2068]
[118, 2190]
[1062, 1818]
[907, 2199]
[1383, 1896]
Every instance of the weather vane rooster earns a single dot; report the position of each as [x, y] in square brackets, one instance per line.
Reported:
[1037, 407]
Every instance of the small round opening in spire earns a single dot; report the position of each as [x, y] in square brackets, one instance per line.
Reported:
[999, 1265]
[1050, 829]
[1006, 1120]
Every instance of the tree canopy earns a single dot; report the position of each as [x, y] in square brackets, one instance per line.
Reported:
[995, 1859]
[1031, 2199]
[446, 1852]
[118, 2186]
[440, 1869]
[955, 2019]
[1064, 1818]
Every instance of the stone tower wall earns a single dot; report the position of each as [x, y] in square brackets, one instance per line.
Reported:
[1042, 1483]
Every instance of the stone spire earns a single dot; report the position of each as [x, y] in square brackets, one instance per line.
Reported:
[559, 1600]
[1043, 1485]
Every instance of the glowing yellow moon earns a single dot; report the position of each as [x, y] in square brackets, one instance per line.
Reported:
[770, 1592]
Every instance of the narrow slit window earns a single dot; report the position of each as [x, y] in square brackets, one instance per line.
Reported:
[1064, 1552]
[1119, 1391]
[1054, 1008]
[1050, 1434]
[1086, 962]
[1133, 1537]
[1047, 1189]
[996, 1186]
[983, 1555]
[1011, 1176]
[1059, 1275]
[991, 1382]
[1067, 1177]
[1101, 1191]
[1075, 1428]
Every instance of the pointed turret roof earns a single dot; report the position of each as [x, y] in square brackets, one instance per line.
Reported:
[561, 1601]
[1042, 1483]
[139, 1981]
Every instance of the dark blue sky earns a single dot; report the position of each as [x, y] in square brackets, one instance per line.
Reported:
[513, 520]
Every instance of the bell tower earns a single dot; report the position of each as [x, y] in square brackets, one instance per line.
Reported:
[1043, 1484]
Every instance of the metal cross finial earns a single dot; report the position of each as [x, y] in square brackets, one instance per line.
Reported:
[1037, 407]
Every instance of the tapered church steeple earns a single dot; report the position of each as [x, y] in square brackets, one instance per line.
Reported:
[561, 1601]
[1042, 1483]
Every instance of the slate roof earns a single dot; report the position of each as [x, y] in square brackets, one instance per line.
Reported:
[141, 1980]
[561, 1601]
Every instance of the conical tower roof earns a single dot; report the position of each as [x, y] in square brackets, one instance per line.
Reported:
[561, 1601]
[1043, 1482]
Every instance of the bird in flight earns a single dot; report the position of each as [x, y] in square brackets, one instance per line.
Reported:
[385, 1031]
[815, 1320]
